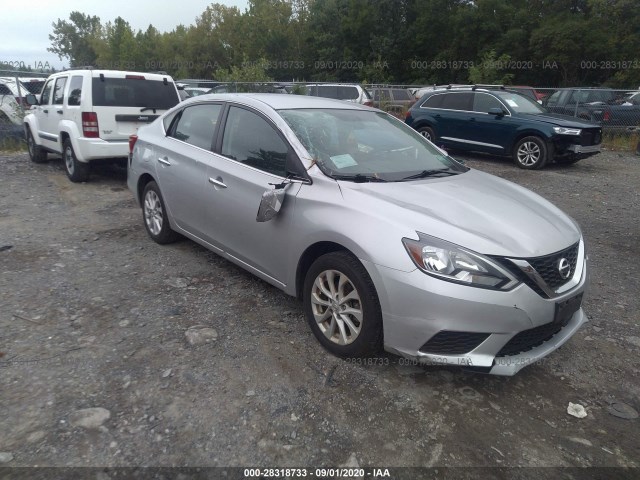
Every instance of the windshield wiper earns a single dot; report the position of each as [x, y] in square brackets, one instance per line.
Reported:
[431, 173]
[359, 178]
[149, 108]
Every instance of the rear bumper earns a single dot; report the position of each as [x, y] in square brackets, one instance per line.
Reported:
[95, 148]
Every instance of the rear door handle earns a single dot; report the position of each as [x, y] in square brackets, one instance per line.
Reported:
[164, 161]
[59, 111]
[217, 181]
[45, 111]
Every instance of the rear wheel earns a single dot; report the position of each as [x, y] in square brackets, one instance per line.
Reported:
[428, 133]
[530, 153]
[77, 171]
[154, 215]
[36, 152]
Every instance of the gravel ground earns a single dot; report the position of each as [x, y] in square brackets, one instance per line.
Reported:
[94, 315]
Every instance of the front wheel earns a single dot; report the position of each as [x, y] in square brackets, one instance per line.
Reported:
[530, 153]
[77, 171]
[154, 215]
[342, 306]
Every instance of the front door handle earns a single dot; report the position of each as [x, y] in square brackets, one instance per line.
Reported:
[164, 161]
[45, 111]
[59, 111]
[217, 182]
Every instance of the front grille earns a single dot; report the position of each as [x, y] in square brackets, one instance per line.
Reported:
[590, 137]
[453, 343]
[547, 266]
[528, 339]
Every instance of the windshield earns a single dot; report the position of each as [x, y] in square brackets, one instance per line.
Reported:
[519, 103]
[366, 146]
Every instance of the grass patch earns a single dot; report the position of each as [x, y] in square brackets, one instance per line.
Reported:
[13, 145]
[624, 141]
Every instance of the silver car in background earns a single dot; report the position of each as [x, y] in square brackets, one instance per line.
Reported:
[387, 240]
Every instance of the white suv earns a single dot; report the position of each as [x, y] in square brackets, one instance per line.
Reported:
[87, 115]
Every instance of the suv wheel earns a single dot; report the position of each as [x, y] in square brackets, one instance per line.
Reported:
[530, 153]
[36, 153]
[427, 132]
[154, 215]
[342, 307]
[77, 171]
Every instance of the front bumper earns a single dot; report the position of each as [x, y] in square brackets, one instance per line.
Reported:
[417, 306]
[581, 149]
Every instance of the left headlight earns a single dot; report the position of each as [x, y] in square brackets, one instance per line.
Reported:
[567, 131]
[452, 263]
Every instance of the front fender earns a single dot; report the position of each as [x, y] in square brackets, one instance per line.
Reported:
[31, 122]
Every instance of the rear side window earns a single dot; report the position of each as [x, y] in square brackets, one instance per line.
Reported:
[133, 92]
[75, 91]
[197, 125]
[348, 93]
[262, 148]
[458, 101]
[325, 91]
[58, 91]
[399, 94]
[434, 101]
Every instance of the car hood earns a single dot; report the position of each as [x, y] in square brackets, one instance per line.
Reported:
[559, 119]
[475, 210]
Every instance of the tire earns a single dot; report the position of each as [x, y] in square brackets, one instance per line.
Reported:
[77, 171]
[36, 153]
[347, 324]
[530, 153]
[428, 133]
[154, 216]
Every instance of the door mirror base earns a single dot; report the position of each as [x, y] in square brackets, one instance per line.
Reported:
[271, 203]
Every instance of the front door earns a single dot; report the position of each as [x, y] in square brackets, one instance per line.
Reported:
[252, 157]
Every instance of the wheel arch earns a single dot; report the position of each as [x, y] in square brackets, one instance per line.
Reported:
[143, 181]
[310, 255]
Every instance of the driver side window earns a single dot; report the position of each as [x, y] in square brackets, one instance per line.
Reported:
[46, 93]
[249, 139]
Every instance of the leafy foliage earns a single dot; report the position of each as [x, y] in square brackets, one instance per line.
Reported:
[539, 42]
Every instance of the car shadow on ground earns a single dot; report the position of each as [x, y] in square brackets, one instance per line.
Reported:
[101, 171]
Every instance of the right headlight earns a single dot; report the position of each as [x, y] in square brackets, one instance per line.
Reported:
[567, 131]
[452, 263]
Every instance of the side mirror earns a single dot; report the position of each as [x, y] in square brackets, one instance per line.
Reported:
[496, 111]
[270, 204]
[31, 99]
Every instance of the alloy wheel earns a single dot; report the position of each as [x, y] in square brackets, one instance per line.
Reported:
[336, 307]
[529, 154]
[68, 160]
[153, 212]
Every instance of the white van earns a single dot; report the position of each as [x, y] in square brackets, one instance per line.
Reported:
[86, 115]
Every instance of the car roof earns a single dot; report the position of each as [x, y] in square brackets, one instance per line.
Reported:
[279, 101]
[114, 73]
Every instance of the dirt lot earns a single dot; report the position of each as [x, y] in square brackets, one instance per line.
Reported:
[93, 314]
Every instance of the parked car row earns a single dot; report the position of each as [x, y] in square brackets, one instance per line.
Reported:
[325, 199]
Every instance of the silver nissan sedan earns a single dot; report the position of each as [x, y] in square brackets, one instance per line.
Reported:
[389, 242]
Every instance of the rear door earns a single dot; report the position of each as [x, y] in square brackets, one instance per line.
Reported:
[182, 157]
[453, 118]
[124, 102]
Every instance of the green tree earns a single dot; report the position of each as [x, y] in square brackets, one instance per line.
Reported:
[73, 39]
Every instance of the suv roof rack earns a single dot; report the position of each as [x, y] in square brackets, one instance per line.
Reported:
[82, 67]
[475, 86]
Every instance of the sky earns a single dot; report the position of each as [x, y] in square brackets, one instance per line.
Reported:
[24, 31]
